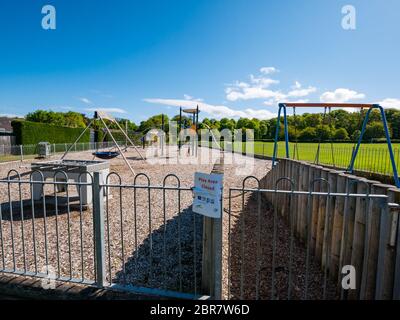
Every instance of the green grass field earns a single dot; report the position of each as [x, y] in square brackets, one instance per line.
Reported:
[371, 157]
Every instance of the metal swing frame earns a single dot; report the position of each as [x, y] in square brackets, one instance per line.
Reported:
[350, 168]
[101, 116]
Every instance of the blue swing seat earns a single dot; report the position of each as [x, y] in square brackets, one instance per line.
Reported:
[106, 154]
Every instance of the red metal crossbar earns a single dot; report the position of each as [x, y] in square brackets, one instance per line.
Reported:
[329, 105]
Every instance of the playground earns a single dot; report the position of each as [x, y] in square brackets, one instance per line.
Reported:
[63, 230]
[286, 227]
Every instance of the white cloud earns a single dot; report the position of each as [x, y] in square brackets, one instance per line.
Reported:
[268, 70]
[262, 82]
[248, 93]
[110, 110]
[341, 95]
[269, 102]
[297, 85]
[85, 100]
[10, 115]
[297, 101]
[188, 97]
[390, 103]
[258, 88]
[298, 91]
[217, 111]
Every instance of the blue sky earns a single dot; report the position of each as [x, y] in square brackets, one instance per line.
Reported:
[232, 57]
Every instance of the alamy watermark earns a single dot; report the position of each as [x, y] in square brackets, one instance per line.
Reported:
[49, 282]
[349, 17]
[191, 147]
[49, 18]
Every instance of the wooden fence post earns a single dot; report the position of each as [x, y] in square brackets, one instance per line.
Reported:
[211, 278]
[389, 258]
[396, 243]
[329, 223]
[315, 208]
[321, 216]
[369, 272]
[346, 241]
[358, 236]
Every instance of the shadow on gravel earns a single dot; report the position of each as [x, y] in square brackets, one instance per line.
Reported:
[13, 209]
[247, 264]
[162, 261]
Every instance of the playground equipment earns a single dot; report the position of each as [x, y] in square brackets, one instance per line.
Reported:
[192, 129]
[328, 106]
[109, 154]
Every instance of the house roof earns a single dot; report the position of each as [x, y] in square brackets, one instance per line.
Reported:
[5, 123]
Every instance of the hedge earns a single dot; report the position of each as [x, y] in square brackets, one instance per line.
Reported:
[118, 136]
[28, 132]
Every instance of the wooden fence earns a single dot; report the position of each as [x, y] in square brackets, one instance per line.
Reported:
[338, 226]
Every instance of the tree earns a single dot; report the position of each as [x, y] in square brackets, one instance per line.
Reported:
[341, 134]
[186, 121]
[311, 120]
[374, 131]
[393, 118]
[68, 119]
[263, 130]
[153, 122]
[254, 124]
[308, 134]
[126, 122]
[294, 133]
[355, 135]
[243, 123]
[226, 123]
[323, 132]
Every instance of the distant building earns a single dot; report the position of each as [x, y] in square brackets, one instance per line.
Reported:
[5, 124]
[6, 131]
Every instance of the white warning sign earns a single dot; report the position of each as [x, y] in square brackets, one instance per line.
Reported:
[207, 194]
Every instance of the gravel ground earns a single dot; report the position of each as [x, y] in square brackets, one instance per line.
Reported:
[137, 252]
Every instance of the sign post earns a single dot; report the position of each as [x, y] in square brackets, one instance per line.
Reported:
[208, 194]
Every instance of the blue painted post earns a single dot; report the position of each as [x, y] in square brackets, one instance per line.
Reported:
[276, 135]
[389, 143]
[286, 131]
[353, 158]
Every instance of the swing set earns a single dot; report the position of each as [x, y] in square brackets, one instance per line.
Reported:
[327, 109]
[106, 155]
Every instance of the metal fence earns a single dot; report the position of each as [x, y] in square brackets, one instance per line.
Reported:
[138, 237]
[289, 244]
[279, 242]
[370, 158]
[22, 152]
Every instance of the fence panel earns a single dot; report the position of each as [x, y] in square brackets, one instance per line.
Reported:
[51, 237]
[273, 252]
[138, 237]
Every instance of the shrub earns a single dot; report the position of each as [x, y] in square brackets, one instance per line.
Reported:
[308, 134]
[341, 134]
[374, 130]
[27, 132]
